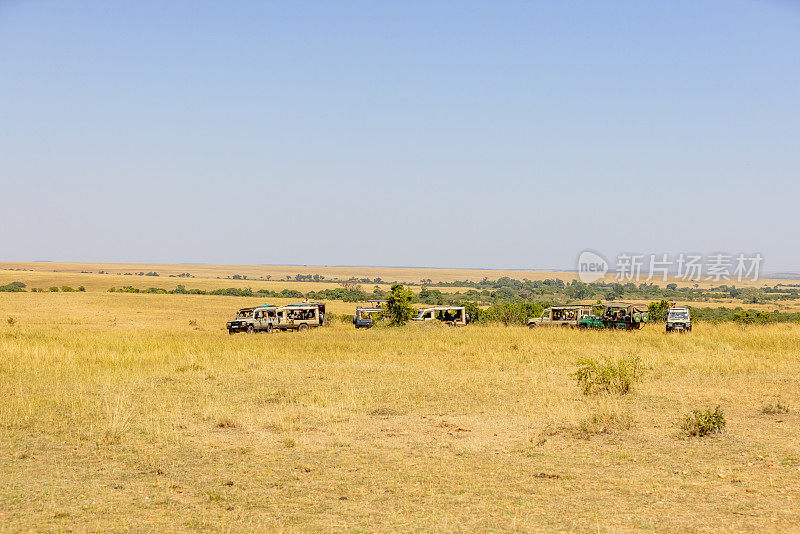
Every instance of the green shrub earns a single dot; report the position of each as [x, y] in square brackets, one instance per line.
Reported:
[608, 376]
[510, 313]
[67, 289]
[658, 311]
[81, 289]
[753, 317]
[698, 423]
[11, 321]
[54, 289]
[398, 305]
[12, 288]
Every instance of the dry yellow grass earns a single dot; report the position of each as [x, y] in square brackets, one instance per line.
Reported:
[139, 412]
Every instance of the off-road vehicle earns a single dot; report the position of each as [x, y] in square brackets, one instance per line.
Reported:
[621, 316]
[679, 319]
[566, 316]
[260, 319]
[300, 316]
[449, 315]
[364, 317]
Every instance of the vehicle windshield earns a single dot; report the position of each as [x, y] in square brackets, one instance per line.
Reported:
[244, 314]
[678, 315]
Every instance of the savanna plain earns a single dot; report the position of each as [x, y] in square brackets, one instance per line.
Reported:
[139, 412]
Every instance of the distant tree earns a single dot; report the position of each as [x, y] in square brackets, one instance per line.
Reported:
[672, 287]
[398, 305]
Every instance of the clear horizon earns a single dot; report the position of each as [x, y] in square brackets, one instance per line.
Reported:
[489, 136]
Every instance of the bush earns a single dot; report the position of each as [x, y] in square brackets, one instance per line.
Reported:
[67, 289]
[753, 317]
[658, 310]
[699, 423]
[81, 289]
[13, 287]
[398, 305]
[608, 376]
[510, 313]
[53, 289]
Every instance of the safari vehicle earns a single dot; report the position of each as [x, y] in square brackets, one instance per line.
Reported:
[679, 319]
[449, 315]
[621, 316]
[566, 316]
[250, 320]
[364, 317]
[300, 316]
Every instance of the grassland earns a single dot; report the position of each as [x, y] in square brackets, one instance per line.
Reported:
[256, 273]
[138, 412]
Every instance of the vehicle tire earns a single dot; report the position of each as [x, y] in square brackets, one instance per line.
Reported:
[583, 326]
[269, 329]
[531, 325]
[250, 329]
[230, 332]
[302, 328]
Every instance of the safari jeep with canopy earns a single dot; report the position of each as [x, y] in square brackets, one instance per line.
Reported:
[619, 316]
[365, 317]
[566, 316]
[300, 316]
[449, 315]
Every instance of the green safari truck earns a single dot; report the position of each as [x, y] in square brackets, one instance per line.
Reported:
[617, 316]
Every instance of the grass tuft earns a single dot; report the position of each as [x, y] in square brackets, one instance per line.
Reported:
[608, 376]
[775, 408]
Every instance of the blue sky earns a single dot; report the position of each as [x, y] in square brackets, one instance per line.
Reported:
[461, 134]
